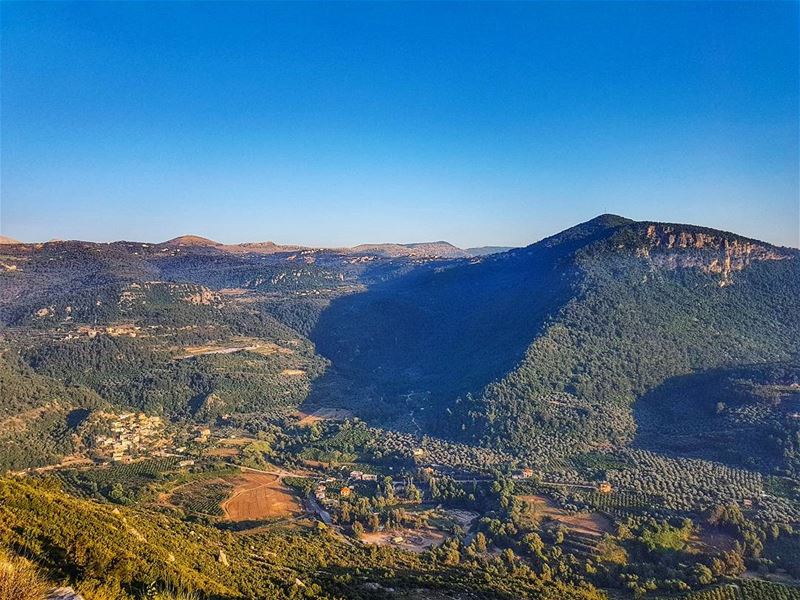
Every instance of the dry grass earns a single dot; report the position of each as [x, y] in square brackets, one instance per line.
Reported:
[19, 579]
[238, 344]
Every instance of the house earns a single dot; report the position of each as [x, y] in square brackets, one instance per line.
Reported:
[357, 475]
[345, 492]
[523, 474]
[369, 477]
[604, 487]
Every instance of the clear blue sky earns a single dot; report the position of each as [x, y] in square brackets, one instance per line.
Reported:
[335, 124]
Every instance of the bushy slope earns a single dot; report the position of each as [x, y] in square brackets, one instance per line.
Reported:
[129, 553]
[38, 415]
[132, 374]
[628, 330]
[445, 330]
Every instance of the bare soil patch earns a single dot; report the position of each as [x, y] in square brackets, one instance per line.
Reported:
[259, 496]
[325, 414]
[413, 540]
[591, 524]
[293, 372]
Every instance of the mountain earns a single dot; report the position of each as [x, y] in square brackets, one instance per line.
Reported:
[8, 240]
[545, 349]
[486, 250]
[194, 419]
[190, 240]
[509, 349]
[541, 350]
[428, 249]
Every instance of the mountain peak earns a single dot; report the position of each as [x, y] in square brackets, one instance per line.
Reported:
[609, 220]
[587, 232]
[191, 240]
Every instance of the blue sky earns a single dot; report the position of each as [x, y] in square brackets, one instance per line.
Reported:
[336, 124]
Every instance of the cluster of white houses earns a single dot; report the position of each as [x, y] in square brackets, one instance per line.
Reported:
[129, 433]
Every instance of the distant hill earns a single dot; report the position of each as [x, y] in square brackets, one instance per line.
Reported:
[486, 250]
[191, 240]
[196, 243]
[429, 249]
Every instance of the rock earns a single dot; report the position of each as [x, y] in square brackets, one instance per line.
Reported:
[222, 558]
[64, 593]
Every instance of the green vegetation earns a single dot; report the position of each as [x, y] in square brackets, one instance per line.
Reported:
[202, 497]
[123, 553]
[747, 589]
[38, 415]
[121, 483]
[613, 408]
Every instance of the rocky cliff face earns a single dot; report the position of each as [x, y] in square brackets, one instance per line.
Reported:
[671, 247]
[154, 290]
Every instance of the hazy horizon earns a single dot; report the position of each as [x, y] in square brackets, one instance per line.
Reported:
[358, 243]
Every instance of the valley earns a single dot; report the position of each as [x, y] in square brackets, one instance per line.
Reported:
[611, 412]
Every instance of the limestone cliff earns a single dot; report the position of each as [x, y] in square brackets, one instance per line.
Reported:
[675, 246]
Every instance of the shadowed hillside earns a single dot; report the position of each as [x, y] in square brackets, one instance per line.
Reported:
[545, 348]
[417, 342]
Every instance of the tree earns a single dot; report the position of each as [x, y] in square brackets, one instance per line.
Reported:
[412, 493]
[358, 530]
[479, 542]
[388, 488]
[374, 522]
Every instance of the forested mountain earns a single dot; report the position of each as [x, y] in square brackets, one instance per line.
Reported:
[541, 350]
[615, 407]
[544, 349]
